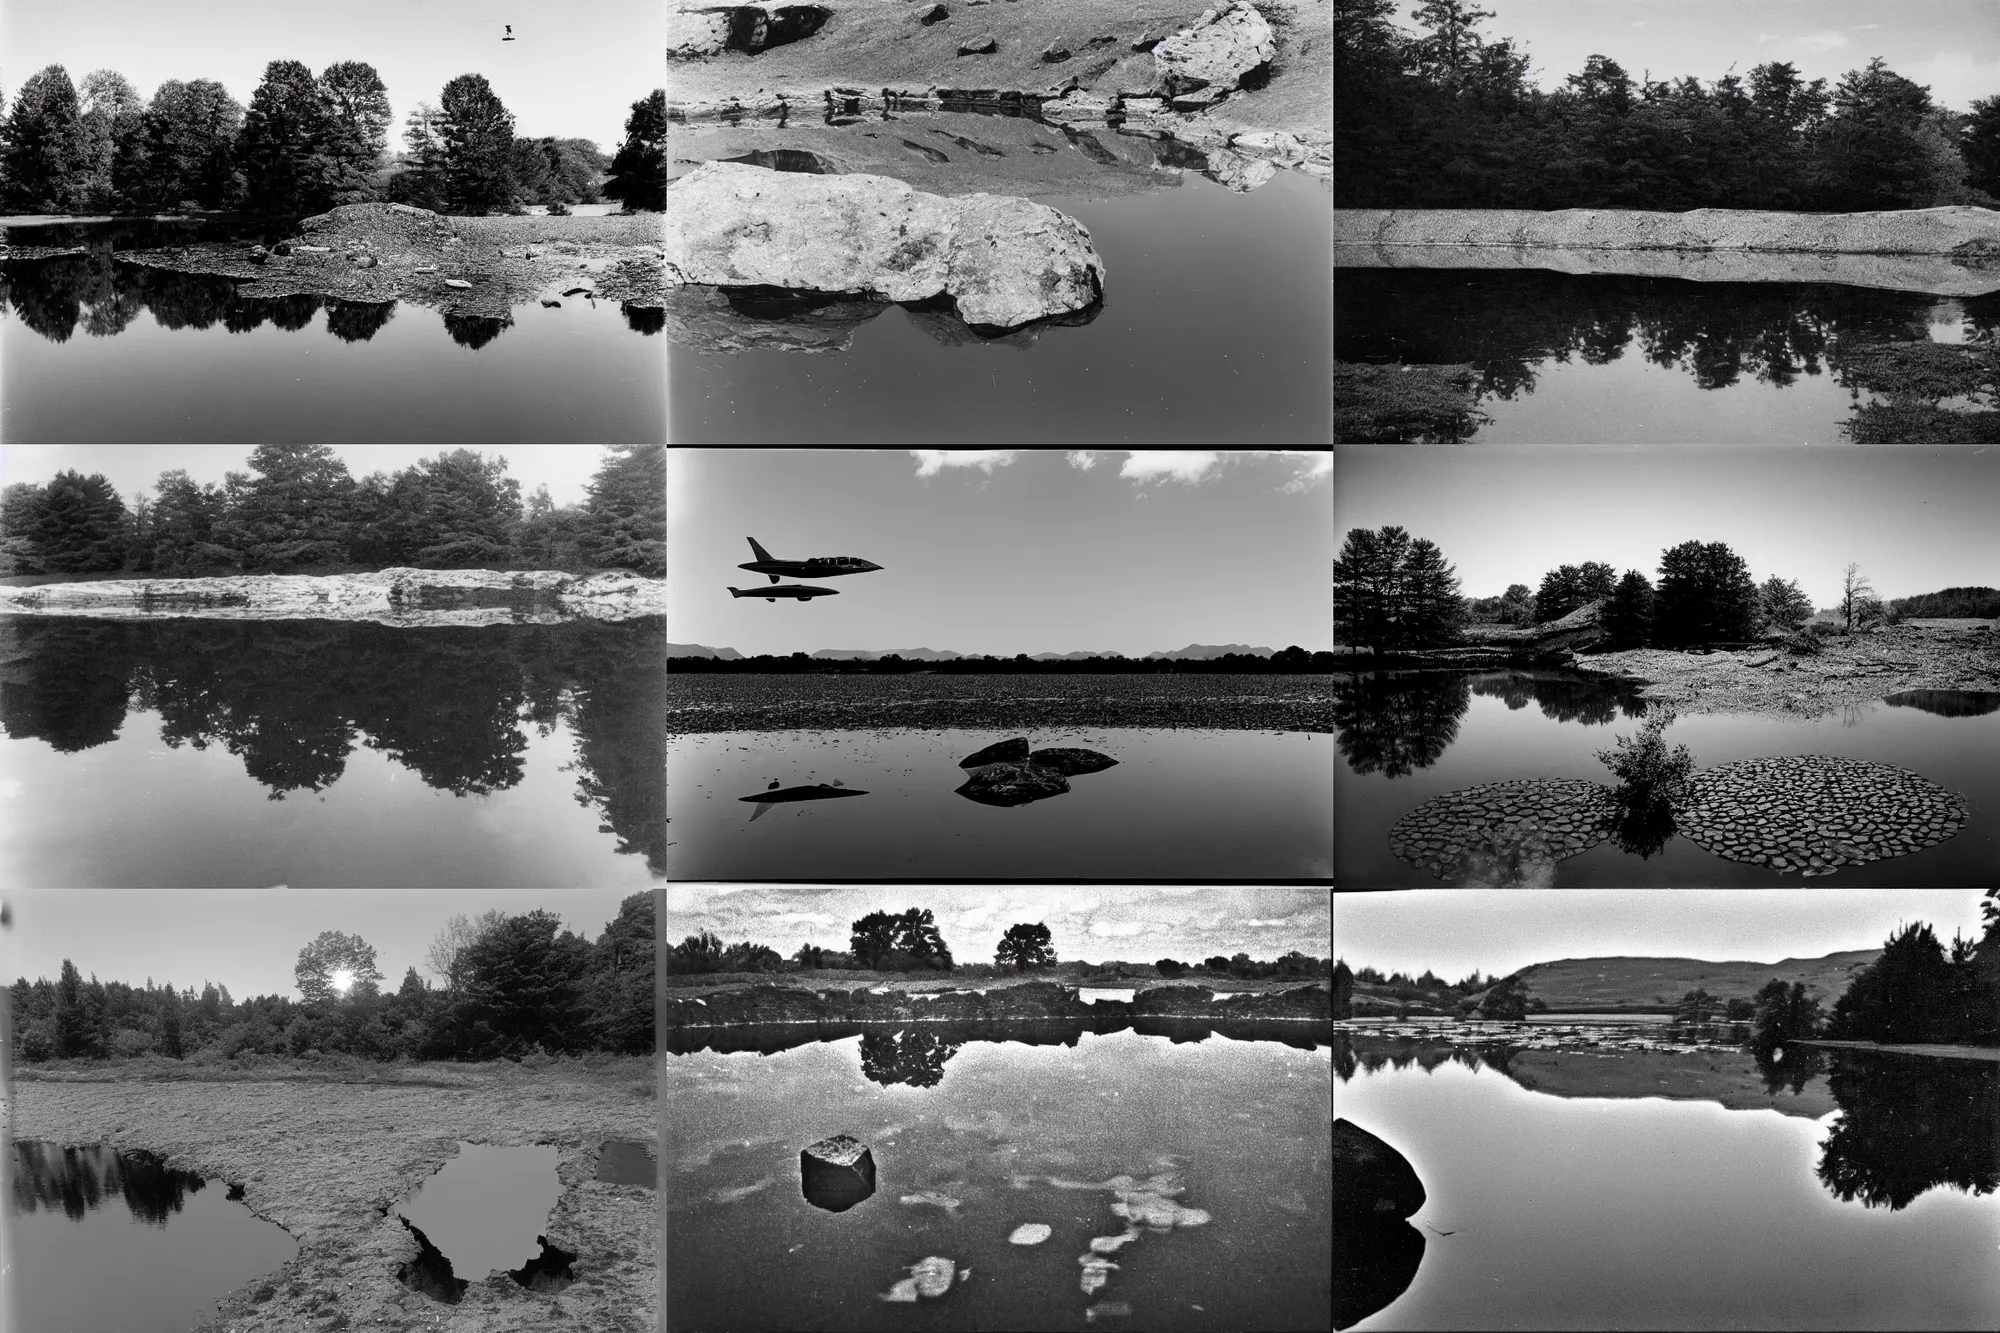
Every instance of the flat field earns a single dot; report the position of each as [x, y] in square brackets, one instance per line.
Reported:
[704, 701]
[326, 1152]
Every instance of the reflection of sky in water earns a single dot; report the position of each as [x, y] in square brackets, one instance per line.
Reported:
[485, 1207]
[1242, 804]
[1246, 1124]
[1496, 744]
[1583, 1211]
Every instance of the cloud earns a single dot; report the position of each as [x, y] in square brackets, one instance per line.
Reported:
[1956, 79]
[932, 461]
[1314, 466]
[1117, 929]
[1191, 466]
[1866, 27]
[978, 916]
[1830, 40]
[817, 918]
[1267, 922]
[1083, 460]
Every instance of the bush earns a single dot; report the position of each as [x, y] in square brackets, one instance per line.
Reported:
[128, 1043]
[1648, 773]
[1170, 969]
[558, 209]
[1808, 640]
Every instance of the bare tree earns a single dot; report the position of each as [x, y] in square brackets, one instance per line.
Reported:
[1855, 594]
[457, 935]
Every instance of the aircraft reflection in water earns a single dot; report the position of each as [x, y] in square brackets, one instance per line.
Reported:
[776, 795]
[798, 592]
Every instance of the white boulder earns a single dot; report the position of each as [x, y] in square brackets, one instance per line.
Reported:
[1217, 50]
[1030, 1233]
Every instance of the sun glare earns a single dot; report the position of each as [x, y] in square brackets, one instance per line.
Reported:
[342, 979]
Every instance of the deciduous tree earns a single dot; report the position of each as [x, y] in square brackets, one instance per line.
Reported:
[335, 964]
[287, 140]
[1705, 595]
[1025, 946]
[639, 168]
[1783, 604]
[1855, 595]
[626, 510]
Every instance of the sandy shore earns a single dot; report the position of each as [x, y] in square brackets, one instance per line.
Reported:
[326, 1160]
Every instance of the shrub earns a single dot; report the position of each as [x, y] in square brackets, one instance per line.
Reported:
[1808, 640]
[1648, 773]
[558, 209]
[129, 1043]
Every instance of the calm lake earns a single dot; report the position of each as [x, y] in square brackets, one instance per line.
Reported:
[486, 1207]
[113, 1242]
[1180, 803]
[95, 350]
[1213, 327]
[1860, 1196]
[184, 752]
[974, 1136]
[1564, 358]
[1406, 737]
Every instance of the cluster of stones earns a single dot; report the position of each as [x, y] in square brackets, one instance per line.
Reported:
[1546, 819]
[1813, 814]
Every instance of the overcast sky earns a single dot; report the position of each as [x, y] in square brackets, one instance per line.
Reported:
[573, 70]
[1950, 46]
[1005, 551]
[249, 940]
[1134, 925]
[1499, 931]
[1915, 520]
[565, 468]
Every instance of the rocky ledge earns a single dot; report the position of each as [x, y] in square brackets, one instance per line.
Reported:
[406, 597]
[1004, 262]
[1035, 1000]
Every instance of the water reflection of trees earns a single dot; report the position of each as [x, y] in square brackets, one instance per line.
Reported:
[77, 1180]
[914, 1056]
[1908, 1124]
[1591, 700]
[293, 698]
[1394, 723]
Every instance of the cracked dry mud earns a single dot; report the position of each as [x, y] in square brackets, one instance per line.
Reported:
[326, 1161]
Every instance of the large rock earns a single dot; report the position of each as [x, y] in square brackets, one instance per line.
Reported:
[1374, 1263]
[709, 31]
[1000, 752]
[1371, 1180]
[836, 1173]
[1071, 762]
[1218, 50]
[1012, 784]
[1004, 261]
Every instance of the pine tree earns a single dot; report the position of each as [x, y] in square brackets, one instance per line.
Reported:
[421, 181]
[478, 135]
[639, 168]
[79, 525]
[626, 510]
[75, 1026]
[286, 142]
[1628, 620]
[48, 165]
[522, 988]
[357, 129]
[1705, 595]
[293, 512]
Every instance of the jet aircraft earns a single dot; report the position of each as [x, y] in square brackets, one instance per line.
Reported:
[796, 591]
[823, 567]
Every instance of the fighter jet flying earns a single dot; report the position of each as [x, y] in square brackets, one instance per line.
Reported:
[796, 591]
[822, 567]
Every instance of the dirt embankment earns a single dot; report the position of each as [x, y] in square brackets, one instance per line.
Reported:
[1853, 669]
[327, 1162]
[1970, 233]
[393, 252]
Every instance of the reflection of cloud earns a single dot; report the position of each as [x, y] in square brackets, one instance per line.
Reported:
[932, 461]
[1189, 466]
[1082, 459]
[1830, 40]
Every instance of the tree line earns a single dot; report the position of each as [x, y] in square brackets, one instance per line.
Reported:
[1287, 661]
[508, 986]
[306, 143]
[298, 509]
[1394, 592]
[1449, 117]
[908, 941]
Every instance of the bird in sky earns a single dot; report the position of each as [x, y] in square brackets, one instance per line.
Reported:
[510, 34]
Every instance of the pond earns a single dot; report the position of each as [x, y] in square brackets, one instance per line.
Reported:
[1178, 804]
[1850, 1192]
[485, 1209]
[184, 752]
[1569, 359]
[627, 1162]
[188, 357]
[972, 1137]
[1406, 738]
[117, 1242]
[1213, 327]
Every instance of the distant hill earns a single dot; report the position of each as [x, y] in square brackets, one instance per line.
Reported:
[870, 655]
[1586, 984]
[1071, 657]
[1951, 604]
[1204, 651]
[697, 650]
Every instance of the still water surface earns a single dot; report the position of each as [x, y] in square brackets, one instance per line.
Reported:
[1626, 1212]
[1637, 360]
[97, 350]
[1178, 804]
[209, 753]
[1406, 737]
[111, 1242]
[975, 1136]
[485, 1208]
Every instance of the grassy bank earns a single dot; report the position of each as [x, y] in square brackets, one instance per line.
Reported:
[324, 1150]
[827, 979]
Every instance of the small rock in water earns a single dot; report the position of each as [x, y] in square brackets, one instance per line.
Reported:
[1096, 1272]
[944, 1201]
[933, 1275]
[1112, 1244]
[1030, 1233]
[1110, 1310]
[904, 1292]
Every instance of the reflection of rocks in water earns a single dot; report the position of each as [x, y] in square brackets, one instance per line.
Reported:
[1948, 703]
[706, 320]
[1393, 723]
[818, 791]
[787, 159]
[916, 1057]
[549, 1271]
[1911, 1123]
[1373, 1265]
[1562, 697]
[836, 1173]
[1505, 834]
[1643, 828]
[430, 1272]
[1813, 814]
[1238, 171]
[929, 1278]
[78, 1180]
[937, 1199]
[940, 319]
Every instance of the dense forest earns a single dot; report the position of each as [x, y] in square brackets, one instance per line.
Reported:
[1449, 116]
[507, 986]
[305, 144]
[298, 511]
[1287, 661]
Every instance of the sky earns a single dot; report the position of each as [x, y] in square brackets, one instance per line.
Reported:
[1915, 520]
[1950, 46]
[1096, 925]
[565, 468]
[573, 70]
[1500, 931]
[1005, 551]
[249, 939]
